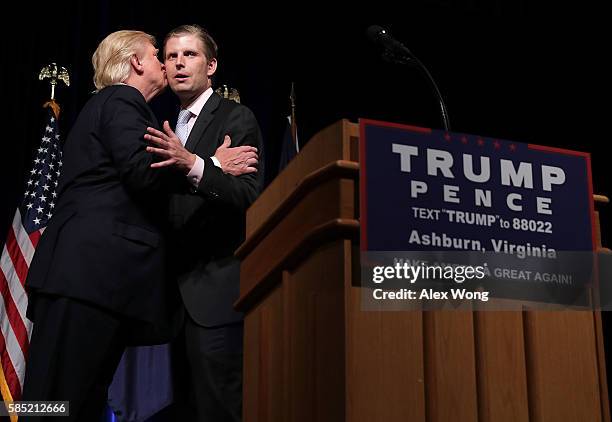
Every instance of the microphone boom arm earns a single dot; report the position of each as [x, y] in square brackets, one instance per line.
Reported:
[443, 111]
[396, 52]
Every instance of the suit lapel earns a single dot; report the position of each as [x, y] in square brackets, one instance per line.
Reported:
[203, 121]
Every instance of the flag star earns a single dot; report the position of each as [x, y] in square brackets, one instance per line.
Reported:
[46, 139]
[43, 198]
[49, 129]
[41, 149]
[37, 161]
[37, 220]
[40, 171]
[46, 187]
[55, 183]
[58, 173]
[51, 204]
[33, 194]
[36, 183]
[60, 163]
[54, 195]
[51, 166]
[49, 215]
[45, 150]
[52, 155]
[49, 176]
[30, 205]
[30, 182]
[33, 171]
[39, 209]
[57, 136]
[26, 193]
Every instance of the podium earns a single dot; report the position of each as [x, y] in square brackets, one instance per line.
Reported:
[312, 354]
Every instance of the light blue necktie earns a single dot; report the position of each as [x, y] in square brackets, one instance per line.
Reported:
[182, 129]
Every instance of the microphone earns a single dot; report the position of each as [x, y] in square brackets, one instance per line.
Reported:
[397, 52]
[379, 35]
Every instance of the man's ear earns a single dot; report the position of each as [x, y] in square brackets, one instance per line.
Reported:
[136, 64]
[212, 67]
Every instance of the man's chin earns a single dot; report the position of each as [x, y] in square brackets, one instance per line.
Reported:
[179, 87]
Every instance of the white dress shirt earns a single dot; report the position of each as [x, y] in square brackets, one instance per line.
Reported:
[197, 171]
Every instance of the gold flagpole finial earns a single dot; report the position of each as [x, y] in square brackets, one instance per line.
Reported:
[54, 73]
[229, 93]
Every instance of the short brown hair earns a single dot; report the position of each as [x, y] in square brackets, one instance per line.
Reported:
[210, 46]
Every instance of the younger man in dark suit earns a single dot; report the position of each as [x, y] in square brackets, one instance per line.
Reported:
[208, 217]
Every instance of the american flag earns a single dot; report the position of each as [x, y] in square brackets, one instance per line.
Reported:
[28, 224]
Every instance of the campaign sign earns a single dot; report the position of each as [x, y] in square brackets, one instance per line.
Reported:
[522, 206]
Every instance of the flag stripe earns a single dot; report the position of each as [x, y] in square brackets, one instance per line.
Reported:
[17, 292]
[23, 240]
[14, 317]
[10, 375]
[12, 358]
[15, 280]
[5, 391]
[35, 237]
[14, 252]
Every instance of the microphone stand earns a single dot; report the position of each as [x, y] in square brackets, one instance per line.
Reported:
[403, 56]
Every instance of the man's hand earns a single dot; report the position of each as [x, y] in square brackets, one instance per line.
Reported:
[237, 160]
[169, 146]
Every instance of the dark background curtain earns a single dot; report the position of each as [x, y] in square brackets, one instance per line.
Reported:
[506, 69]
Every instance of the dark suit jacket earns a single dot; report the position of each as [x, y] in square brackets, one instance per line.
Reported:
[209, 223]
[104, 243]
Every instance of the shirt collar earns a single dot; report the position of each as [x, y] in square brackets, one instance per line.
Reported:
[198, 104]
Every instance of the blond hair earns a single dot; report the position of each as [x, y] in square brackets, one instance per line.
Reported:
[111, 60]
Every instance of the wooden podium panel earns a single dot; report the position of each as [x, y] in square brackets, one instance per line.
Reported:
[500, 366]
[562, 366]
[312, 354]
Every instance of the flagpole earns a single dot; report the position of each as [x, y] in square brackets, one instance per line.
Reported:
[54, 73]
[293, 122]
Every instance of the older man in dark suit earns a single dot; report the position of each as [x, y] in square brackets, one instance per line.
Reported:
[97, 281]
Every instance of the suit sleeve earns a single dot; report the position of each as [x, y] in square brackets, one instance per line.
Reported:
[123, 126]
[238, 192]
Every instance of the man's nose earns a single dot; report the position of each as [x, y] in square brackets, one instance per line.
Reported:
[180, 61]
